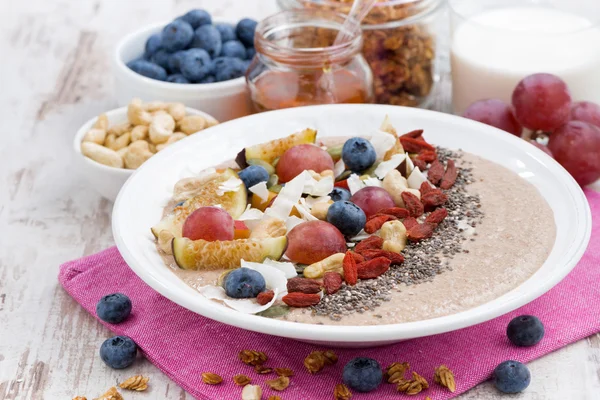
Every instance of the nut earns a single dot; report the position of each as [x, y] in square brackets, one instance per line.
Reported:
[95, 135]
[119, 129]
[319, 210]
[101, 122]
[192, 124]
[177, 136]
[161, 128]
[269, 228]
[136, 113]
[393, 234]
[137, 153]
[139, 132]
[251, 392]
[177, 110]
[119, 142]
[394, 183]
[101, 154]
[331, 263]
[155, 106]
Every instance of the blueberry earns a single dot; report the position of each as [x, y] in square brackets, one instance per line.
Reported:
[347, 217]
[177, 35]
[196, 18]
[511, 377]
[174, 61]
[182, 202]
[118, 352]
[148, 69]
[244, 283]
[227, 32]
[227, 68]
[234, 48]
[245, 31]
[358, 154]
[113, 308]
[153, 44]
[195, 64]
[253, 174]
[207, 37]
[208, 79]
[161, 57]
[525, 330]
[362, 374]
[250, 52]
[338, 194]
[177, 78]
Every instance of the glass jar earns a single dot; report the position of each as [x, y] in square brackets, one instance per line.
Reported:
[297, 64]
[399, 45]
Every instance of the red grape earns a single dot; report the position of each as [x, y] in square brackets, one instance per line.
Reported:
[542, 102]
[576, 146]
[496, 113]
[586, 111]
[208, 223]
[313, 241]
[372, 199]
[300, 158]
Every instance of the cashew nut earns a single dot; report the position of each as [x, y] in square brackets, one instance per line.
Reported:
[101, 122]
[101, 154]
[394, 183]
[136, 113]
[251, 392]
[393, 234]
[172, 139]
[319, 210]
[140, 132]
[118, 143]
[332, 263]
[161, 128]
[192, 124]
[137, 153]
[155, 106]
[95, 135]
[177, 110]
[119, 129]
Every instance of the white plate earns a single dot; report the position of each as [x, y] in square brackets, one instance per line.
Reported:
[140, 202]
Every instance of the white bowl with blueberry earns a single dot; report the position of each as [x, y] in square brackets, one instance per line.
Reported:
[192, 60]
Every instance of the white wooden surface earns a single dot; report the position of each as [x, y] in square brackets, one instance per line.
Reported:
[55, 75]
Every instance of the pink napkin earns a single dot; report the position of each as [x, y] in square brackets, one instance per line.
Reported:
[183, 344]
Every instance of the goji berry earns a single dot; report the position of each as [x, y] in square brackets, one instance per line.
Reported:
[417, 133]
[332, 282]
[412, 145]
[373, 268]
[437, 216]
[343, 184]
[409, 222]
[434, 198]
[425, 188]
[303, 285]
[421, 231]
[358, 258]
[349, 266]
[412, 204]
[428, 156]
[422, 165]
[375, 222]
[397, 212]
[449, 176]
[395, 258]
[298, 299]
[265, 297]
[436, 172]
[372, 242]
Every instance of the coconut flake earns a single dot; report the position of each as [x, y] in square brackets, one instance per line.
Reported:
[339, 168]
[274, 277]
[382, 142]
[386, 166]
[416, 178]
[260, 189]
[304, 210]
[370, 181]
[292, 221]
[286, 267]
[315, 187]
[409, 166]
[362, 235]
[287, 198]
[311, 201]
[246, 306]
[355, 183]
[251, 213]
[230, 185]
[350, 244]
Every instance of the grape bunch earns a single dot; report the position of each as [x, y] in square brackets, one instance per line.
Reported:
[542, 103]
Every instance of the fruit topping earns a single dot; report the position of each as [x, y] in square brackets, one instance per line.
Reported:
[303, 285]
[253, 175]
[449, 176]
[436, 172]
[332, 282]
[420, 231]
[240, 230]
[113, 308]
[395, 258]
[347, 217]
[437, 216]
[373, 268]
[495, 113]
[310, 242]
[358, 154]
[376, 221]
[210, 224]
[511, 377]
[371, 243]
[363, 374]
[434, 198]
[269, 151]
[350, 269]
[412, 204]
[265, 297]
[371, 199]
[297, 299]
[205, 255]
[340, 194]
[243, 283]
[415, 145]
[397, 212]
[409, 222]
[118, 352]
[302, 158]
[525, 330]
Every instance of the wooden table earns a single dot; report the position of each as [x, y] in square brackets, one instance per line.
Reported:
[56, 75]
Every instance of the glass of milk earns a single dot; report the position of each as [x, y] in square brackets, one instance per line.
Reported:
[496, 43]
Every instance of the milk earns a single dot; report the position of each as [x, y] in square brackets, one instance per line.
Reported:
[492, 51]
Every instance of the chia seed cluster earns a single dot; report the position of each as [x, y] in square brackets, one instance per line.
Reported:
[423, 260]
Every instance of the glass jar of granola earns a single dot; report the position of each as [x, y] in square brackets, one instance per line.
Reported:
[298, 64]
[399, 45]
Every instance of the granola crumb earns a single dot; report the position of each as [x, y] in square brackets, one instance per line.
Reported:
[341, 392]
[262, 370]
[111, 394]
[279, 384]
[79, 398]
[314, 362]
[211, 379]
[252, 357]
[444, 377]
[138, 383]
[241, 380]
[284, 372]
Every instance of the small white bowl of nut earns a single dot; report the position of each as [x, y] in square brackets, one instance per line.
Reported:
[111, 146]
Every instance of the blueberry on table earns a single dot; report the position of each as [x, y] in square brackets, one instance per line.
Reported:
[148, 69]
[358, 154]
[245, 31]
[363, 374]
[250, 52]
[227, 68]
[161, 58]
[340, 194]
[195, 64]
[177, 78]
[208, 38]
[234, 48]
[253, 175]
[525, 330]
[196, 18]
[227, 32]
[118, 352]
[113, 308]
[177, 35]
[153, 44]
[347, 217]
[174, 61]
[244, 283]
[511, 377]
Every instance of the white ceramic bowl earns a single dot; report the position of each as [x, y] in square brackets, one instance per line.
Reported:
[224, 100]
[105, 180]
[132, 216]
